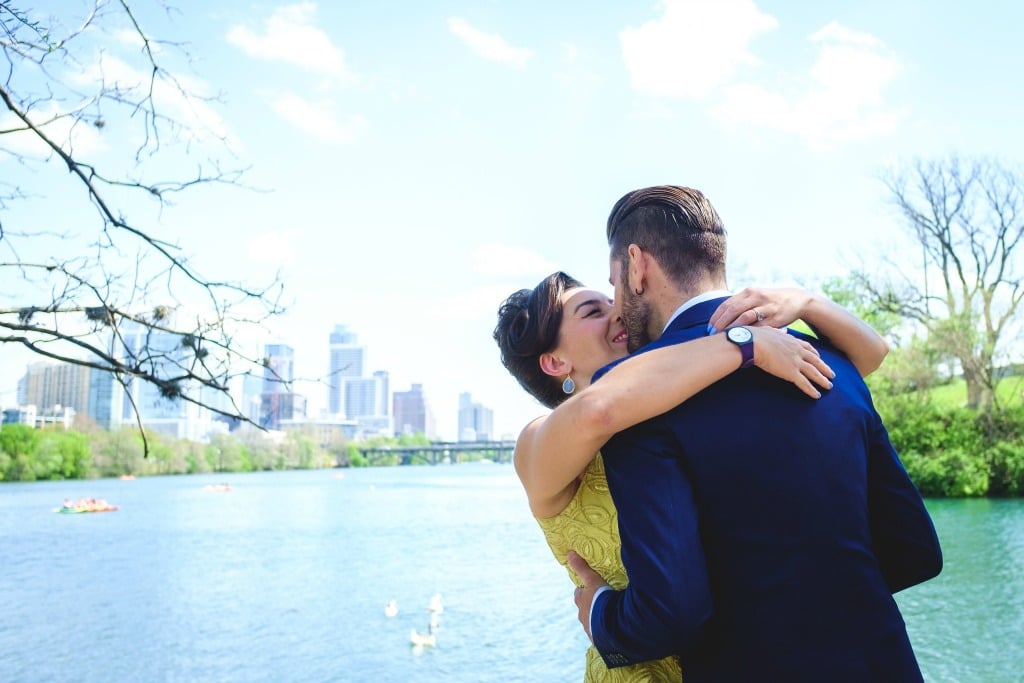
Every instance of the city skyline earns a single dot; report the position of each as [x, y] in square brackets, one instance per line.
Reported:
[405, 172]
[362, 397]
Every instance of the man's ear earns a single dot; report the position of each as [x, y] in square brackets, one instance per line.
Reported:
[553, 365]
[636, 272]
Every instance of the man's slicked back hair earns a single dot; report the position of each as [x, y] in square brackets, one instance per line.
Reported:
[677, 225]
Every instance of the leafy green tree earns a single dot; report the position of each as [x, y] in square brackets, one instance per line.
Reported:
[227, 454]
[849, 293]
[355, 458]
[72, 454]
[119, 452]
[18, 444]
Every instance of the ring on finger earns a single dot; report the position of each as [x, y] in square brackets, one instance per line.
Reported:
[759, 314]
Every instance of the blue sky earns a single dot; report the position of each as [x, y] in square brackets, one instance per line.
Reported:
[420, 161]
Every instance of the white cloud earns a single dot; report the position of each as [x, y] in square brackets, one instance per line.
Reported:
[276, 248]
[507, 260]
[842, 100]
[317, 118]
[694, 47]
[290, 36]
[180, 99]
[489, 46]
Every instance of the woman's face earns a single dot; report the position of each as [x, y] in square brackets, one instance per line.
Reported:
[591, 336]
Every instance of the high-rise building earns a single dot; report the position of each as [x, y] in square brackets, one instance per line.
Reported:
[476, 421]
[163, 355]
[366, 396]
[46, 385]
[252, 397]
[278, 402]
[412, 415]
[101, 399]
[346, 361]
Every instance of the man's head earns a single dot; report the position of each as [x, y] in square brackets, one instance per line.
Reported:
[667, 244]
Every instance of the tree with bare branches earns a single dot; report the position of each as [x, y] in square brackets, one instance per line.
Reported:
[87, 273]
[966, 284]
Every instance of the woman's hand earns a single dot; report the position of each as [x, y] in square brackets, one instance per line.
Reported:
[780, 306]
[791, 359]
[762, 306]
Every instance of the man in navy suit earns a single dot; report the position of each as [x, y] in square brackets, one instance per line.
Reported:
[763, 532]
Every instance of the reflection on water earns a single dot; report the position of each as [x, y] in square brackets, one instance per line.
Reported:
[286, 577]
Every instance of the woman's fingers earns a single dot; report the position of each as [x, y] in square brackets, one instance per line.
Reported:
[775, 307]
[815, 374]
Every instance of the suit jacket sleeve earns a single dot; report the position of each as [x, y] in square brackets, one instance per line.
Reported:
[668, 598]
[902, 532]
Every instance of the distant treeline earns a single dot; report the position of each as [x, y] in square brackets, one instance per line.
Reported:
[28, 454]
[948, 452]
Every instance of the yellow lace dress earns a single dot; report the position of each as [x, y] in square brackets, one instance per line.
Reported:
[589, 525]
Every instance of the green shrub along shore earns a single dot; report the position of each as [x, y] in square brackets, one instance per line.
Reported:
[958, 453]
[949, 452]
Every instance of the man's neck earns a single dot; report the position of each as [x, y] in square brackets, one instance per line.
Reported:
[693, 301]
[670, 306]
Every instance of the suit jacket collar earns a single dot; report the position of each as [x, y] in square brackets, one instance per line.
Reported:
[698, 314]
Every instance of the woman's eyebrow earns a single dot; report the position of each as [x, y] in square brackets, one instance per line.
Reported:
[588, 302]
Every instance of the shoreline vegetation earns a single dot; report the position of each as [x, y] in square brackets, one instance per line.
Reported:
[949, 451]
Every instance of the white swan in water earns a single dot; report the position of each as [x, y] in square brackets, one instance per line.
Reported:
[391, 609]
[435, 604]
[422, 639]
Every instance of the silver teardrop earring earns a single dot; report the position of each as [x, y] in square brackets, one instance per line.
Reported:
[568, 386]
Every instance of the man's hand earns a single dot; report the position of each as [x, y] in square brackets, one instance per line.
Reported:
[584, 595]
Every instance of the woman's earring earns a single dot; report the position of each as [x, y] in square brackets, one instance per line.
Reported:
[568, 386]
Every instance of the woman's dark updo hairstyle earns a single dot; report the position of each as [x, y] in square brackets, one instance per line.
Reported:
[528, 324]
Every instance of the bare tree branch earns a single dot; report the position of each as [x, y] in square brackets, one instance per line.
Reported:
[92, 306]
[967, 218]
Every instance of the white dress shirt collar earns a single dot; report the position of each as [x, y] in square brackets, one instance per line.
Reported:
[699, 299]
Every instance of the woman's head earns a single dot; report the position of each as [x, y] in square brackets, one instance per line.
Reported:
[557, 329]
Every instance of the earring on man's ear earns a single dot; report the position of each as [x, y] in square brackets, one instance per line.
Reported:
[638, 291]
[568, 386]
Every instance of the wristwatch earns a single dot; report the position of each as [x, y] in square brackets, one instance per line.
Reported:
[743, 338]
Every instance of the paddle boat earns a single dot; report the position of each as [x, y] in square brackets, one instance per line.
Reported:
[85, 505]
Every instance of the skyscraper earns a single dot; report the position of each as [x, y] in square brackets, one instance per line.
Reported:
[411, 412]
[163, 355]
[476, 421]
[346, 361]
[46, 385]
[366, 396]
[278, 401]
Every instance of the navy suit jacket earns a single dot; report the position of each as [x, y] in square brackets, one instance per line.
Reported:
[764, 532]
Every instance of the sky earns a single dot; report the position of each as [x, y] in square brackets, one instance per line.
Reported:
[411, 164]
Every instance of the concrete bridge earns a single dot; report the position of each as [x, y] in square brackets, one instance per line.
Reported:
[442, 452]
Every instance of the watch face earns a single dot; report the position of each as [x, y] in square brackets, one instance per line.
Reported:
[740, 335]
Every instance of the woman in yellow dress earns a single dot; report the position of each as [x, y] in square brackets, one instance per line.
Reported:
[554, 337]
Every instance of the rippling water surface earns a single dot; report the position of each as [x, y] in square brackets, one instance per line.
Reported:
[285, 578]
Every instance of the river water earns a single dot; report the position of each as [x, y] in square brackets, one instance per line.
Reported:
[286, 577]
